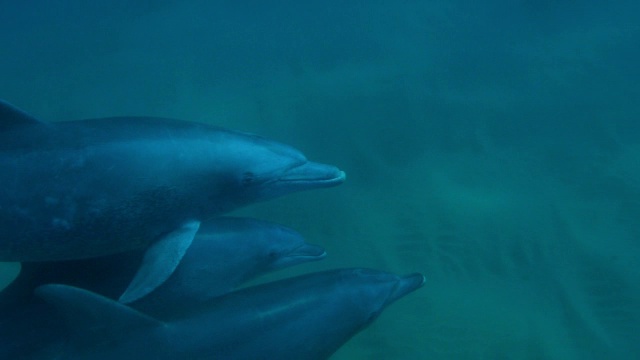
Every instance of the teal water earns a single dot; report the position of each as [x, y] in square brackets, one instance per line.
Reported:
[493, 146]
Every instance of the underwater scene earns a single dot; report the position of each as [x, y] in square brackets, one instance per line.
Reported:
[432, 179]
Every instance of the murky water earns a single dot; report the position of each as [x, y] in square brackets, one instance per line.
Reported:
[493, 147]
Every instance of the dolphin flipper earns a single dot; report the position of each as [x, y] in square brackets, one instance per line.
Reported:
[159, 261]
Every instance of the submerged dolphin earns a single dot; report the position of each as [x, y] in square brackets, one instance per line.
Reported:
[307, 317]
[225, 253]
[81, 189]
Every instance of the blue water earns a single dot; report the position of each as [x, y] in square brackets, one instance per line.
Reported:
[493, 146]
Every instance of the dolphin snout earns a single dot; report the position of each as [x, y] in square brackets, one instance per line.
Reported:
[314, 174]
[302, 254]
[406, 285]
[309, 251]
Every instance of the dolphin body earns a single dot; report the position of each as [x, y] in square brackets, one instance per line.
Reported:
[306, 317]
[87, 188]
[225, 253]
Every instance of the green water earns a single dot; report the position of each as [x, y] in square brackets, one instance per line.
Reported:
[494, 148]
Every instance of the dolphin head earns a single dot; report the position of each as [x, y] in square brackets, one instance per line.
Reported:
[286, 247]
[256, 246]
[257, 169]
[374, 290]
[229, 251]
[318, 312]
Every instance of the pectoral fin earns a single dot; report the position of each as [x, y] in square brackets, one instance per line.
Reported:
[159, 262]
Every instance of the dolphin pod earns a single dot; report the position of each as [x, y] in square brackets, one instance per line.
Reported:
[115, 223]
[306, 317]
[87, 188]
[225, 253]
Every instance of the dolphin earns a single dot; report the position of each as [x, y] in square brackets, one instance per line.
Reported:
[306, 317]
[87, 188]
[225, 253]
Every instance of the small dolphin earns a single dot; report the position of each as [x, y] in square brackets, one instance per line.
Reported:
[306, 317]
[225, 253]
[229, 252]
[87, 188]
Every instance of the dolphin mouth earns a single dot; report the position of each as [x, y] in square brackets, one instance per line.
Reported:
[308, 252]
[302, 254]
[314, 175]
[406, 285]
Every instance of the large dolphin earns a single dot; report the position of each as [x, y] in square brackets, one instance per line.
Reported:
[225, 253]
[307, 317]
[80, 189]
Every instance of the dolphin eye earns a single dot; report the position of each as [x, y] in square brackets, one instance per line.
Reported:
[248, 178]
[273, 254]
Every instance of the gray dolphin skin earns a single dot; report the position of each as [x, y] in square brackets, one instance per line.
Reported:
[306, 317]
[225, 253]
[87, 188]
[80, 189]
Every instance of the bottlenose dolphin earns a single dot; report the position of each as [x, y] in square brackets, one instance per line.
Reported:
[87, 188]
[306, 317]
[225, 253]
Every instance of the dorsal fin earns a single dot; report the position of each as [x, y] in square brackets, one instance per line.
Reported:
[91, 317]
[11, 116]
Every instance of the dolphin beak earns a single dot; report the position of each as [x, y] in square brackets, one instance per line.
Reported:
[311, 175]
[302, 254]
[309, 251]
[406, 284]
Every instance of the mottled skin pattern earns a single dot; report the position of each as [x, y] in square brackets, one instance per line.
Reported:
[88, 188]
